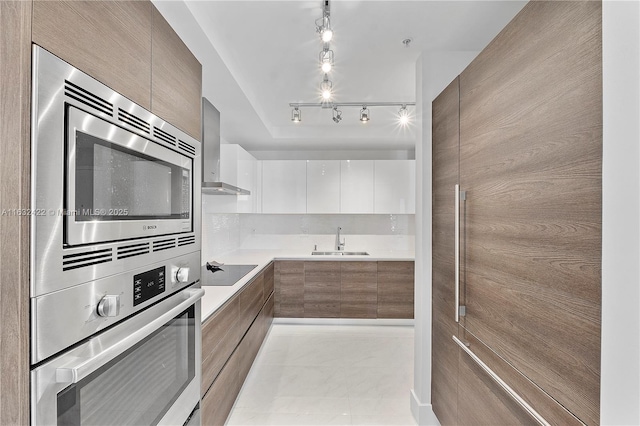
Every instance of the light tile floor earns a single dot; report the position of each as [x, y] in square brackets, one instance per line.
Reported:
[329, 375]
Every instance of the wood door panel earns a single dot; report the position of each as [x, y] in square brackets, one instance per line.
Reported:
[530, 161]
[176, 85]
[251, 301]
[109, 40]
[289, 289]
[322, 289]
[218, 402]
[268, 280]
[396, 289]
[358, 289]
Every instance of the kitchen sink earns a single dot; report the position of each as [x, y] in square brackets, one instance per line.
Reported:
[340, 253]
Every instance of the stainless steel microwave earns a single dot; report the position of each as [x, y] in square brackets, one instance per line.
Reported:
[113, 185]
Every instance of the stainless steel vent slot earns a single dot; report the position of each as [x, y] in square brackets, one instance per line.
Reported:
[88, 258]
[164, 244]
[186, 147]
[87, 98]
[134, 121]
[164, 136]
[133, 250]
[183, 241]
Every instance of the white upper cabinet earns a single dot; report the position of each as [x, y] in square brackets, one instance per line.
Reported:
[237, 168]
[356, 186]
[247, 169]
[284, 186]
[323, 186]
[394, 186]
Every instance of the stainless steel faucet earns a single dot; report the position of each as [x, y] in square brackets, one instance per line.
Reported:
[339, 244]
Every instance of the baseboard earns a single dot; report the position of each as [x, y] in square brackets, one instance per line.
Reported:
[422, 413]
[344, 321]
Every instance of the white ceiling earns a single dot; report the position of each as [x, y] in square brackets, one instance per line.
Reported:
[258, 56]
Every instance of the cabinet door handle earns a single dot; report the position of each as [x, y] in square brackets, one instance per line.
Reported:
[458, 196]
[513, 394]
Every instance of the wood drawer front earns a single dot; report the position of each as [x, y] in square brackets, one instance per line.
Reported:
[547, 407]
[268, 280]
[218, 402]
[109, 40]
[176, 85]
[322, 289]
[251, 300]
[395, 289]
[358, 289]
[289, 289]
[220, 336]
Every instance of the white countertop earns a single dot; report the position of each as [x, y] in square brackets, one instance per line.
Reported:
[216, 296]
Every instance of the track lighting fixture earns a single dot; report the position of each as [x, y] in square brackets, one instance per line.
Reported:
[326, 60]
[337, 114]
[364, 114]
[326, 88]
[296, 115]
[403, 115]
[323, 25]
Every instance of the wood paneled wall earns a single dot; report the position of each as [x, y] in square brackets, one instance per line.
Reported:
[15, 92]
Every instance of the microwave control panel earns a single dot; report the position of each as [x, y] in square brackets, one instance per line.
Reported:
[148, 285]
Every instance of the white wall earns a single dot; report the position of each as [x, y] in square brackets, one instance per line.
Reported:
[620, 362]
[435, 70]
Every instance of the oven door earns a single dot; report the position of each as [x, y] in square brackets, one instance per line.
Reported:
[120, 185]
[144, 371]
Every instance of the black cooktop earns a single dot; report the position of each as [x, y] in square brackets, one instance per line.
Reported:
[224, 275]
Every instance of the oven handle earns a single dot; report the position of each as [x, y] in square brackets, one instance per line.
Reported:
[88, 366]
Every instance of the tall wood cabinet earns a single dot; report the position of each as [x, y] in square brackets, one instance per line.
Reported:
[529, 114]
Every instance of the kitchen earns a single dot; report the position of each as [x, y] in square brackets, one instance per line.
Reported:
[619, 352]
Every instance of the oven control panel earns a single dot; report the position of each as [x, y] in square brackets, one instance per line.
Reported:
[148, 285]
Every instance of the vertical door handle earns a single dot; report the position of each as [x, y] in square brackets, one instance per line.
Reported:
[459, 195]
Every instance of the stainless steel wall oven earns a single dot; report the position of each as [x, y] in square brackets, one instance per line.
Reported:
[115, 255]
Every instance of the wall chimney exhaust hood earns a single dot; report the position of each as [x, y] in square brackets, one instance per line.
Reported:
[211, 181]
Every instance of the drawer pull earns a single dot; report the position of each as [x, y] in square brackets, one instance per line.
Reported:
[517, 398]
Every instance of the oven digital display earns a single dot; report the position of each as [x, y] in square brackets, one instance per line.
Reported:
[148, 285]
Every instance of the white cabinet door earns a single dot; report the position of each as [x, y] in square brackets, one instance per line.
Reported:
[394, 186]
[323, 186]
[284, 186]
[356, 186]
[247, 179]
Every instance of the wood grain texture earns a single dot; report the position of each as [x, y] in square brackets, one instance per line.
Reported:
[358, 290]
[395, 289]
[218, 402]
[289, 289]
[445, 175]
[251, 301]
[176, 79]
[248, 349]
[322, 289]
[268, 280]
[109, 40]
[220, 335]
[530, 160]
[15, 131]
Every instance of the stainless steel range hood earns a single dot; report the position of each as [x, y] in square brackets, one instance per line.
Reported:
[211, 182]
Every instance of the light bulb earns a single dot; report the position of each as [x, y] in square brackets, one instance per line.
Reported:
[403, 115]
[326, 94]
[326, 66]
[327, 35]
[404, 119]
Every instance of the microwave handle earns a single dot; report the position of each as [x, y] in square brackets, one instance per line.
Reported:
[80, 371]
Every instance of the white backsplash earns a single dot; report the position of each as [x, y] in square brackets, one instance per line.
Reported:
[223, 233]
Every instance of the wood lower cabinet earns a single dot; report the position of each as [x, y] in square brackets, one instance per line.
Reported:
[395, 289]
[109, 40]
[344, 289]
[176, 79]
[268, 280]
[231, 339]
[322, 289]
[358, 289]
[530, 155]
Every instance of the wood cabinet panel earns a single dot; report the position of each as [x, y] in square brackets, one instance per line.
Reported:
[444, 351]
[289, 289]
[358, 289]
[176, 79]
[109, 40]
[251, 300]
[322, 289]
[395, 289]
[218, 402]
[268, 280]
[248, 348]
[530, 161]
[220, 336]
